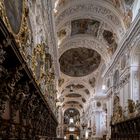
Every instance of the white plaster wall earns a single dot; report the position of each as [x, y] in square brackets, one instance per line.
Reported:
[136, 8]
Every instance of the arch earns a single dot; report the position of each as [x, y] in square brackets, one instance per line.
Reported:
[76, 107]
[75, 81]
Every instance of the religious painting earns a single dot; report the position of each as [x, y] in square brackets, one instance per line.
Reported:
[85, 26]
[110, 39]
[14, 10]
[78, 62]
[61, 34]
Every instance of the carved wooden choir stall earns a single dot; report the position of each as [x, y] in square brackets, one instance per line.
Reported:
[24, 113]
[125, 125]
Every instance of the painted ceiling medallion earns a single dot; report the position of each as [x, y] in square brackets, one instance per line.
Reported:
[72, 102]
[14, 11]
[78, 62]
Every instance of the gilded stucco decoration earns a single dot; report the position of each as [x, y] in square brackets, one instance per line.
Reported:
[78, 62]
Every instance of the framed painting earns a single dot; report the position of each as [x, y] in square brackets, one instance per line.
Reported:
[14, 10]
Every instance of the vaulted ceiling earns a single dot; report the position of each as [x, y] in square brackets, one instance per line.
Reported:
[88, 34]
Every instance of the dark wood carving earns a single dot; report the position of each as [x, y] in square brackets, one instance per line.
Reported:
[24, 113]
[127, 130]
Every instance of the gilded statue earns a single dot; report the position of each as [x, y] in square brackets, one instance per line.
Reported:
[131, 108]
[117, 111]
[137, 107]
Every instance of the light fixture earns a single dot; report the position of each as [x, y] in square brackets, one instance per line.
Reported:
[71, 120]
[65, 137]
[77, 137]
[103, 87]
[86, 134]
[71, 129]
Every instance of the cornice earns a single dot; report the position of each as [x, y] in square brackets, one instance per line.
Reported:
[127, 41]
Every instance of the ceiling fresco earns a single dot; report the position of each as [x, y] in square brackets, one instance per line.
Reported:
[78, 62]
[72, 102]
[110, 39]
[85, 26]
[73, 95]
